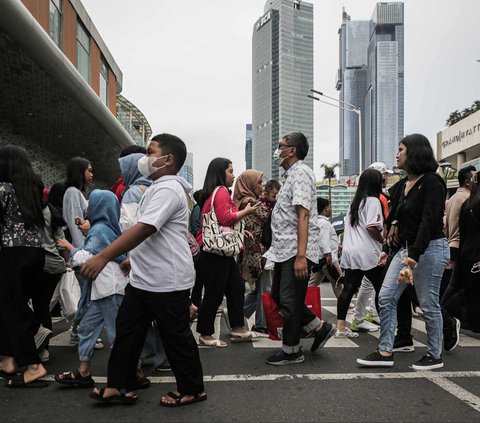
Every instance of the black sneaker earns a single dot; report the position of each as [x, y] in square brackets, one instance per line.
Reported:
[428, 362]
[375, 359]
[451, 336]
[403, 345]
[164, 367]
[322, 336]
[280, 358]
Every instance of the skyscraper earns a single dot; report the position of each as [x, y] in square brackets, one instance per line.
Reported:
[186, 171]
[384, 103]
[352, 84]
[371, 77]
[248, 146]
[282, 76]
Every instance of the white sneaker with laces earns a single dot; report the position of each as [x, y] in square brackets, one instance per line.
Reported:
[345, 333]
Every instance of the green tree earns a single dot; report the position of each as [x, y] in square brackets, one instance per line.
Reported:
[457, 116]
[329, 171]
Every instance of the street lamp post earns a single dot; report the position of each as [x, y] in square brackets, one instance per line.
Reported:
[343, 105]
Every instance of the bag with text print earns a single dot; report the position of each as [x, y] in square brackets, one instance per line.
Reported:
[221, 240]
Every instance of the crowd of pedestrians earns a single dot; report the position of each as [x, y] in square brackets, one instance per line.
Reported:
[150, 256]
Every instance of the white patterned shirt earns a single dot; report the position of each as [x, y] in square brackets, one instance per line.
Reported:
[298, 190]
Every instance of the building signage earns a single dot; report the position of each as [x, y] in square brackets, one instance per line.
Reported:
[263, 20]
[461, 135]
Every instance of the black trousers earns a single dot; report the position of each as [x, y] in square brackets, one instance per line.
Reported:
[42, 294]
[172, 314]
[20, 269]
[351, 283]
[221, 276]
[289, 294]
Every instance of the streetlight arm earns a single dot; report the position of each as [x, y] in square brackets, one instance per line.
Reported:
[333, 98]
[355, 110]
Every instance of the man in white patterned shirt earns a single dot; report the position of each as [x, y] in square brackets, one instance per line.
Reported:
[294, 249]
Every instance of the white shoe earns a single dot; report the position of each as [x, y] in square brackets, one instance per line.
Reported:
[345, 333]
[363, 326]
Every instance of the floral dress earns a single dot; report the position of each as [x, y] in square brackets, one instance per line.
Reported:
[13, 231]
[251, 261]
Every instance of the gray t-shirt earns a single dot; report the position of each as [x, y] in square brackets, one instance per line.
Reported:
[74, 205]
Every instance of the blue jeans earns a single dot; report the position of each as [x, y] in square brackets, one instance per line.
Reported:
[253, 300]
[154, 348]
[97, 315]
[427, 277]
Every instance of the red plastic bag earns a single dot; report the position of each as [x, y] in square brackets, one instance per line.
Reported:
[274, 318]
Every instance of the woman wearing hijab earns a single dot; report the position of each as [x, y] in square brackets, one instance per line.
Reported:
[135, 184]
[105, 292]
[248, 189]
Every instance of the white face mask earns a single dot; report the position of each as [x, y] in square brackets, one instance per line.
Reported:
[277, 158]
[145, 165]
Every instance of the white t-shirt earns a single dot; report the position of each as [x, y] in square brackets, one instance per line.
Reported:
[163, 262]
[110, 281]
[360, 250]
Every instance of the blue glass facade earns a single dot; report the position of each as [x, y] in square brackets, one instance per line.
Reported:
[186, 171]
[248, 146]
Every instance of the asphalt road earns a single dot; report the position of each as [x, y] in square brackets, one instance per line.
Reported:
[328, 386]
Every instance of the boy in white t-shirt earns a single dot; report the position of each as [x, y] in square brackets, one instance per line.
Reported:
[161, 276]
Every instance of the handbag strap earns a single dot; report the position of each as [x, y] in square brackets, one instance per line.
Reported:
[213, 197]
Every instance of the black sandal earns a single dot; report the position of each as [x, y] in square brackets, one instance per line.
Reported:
[178, 399]
[75, 379]
[18, 381]
[118, 399]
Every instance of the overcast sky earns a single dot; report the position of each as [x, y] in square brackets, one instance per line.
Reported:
[187, 66]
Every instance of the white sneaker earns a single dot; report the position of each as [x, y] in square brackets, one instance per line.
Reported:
[345, 333]
[363, 326]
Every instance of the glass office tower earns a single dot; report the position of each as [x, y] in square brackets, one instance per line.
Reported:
[384, 104]
[282, 76]
[371, 77]
[248, 146]
[352, 84]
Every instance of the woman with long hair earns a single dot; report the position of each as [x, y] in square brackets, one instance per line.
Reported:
[21, 264]
[79, 175]
[220, 274]
[461, 309]
[416, 229]
[362, 245]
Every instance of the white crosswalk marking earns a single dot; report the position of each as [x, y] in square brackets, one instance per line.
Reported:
[63, 339]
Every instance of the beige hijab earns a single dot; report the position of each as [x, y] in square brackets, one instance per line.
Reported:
[245, 185]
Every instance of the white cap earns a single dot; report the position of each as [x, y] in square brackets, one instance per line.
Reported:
[380, 166]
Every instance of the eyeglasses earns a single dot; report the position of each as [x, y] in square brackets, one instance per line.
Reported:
[475, 178]
[280, 146]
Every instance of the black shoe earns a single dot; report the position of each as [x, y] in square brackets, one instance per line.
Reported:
[280, 358]
[403, 345]
[376, 359]
[428, 362]
[322, 336]
[451, 336]
[164, 367]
